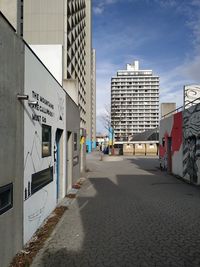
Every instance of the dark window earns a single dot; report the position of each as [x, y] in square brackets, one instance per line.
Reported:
[6, 198]
[163, 141]
[41, 178]
[46, 140]
[21, 29]
[22, 10]
[75, 141]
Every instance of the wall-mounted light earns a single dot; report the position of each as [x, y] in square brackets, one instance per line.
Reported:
[31, 103]
[22, 97]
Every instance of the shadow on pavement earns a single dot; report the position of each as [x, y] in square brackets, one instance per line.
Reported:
[134, 222]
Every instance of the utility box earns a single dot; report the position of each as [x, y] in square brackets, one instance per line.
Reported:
[140, 149]
[128, 149]
[151, 149]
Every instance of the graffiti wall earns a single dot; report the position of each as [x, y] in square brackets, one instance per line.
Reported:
[170, 144]
[191, 144]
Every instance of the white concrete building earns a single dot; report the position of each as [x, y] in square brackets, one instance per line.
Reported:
[134, 101]
[93, 110]
[63, 26]
[66, 23]
[39, 140]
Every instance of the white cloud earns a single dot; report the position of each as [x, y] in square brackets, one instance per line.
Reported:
[191, 69]
[98, 10]
[100, 5]
[166, 3]
[172, 81]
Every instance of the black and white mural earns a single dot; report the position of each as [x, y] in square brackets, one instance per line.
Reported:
[191, 144]
[191, 95]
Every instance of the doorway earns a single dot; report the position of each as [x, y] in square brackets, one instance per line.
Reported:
[58, 161]
[69, 160]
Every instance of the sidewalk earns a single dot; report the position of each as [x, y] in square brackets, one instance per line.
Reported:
[127, 213]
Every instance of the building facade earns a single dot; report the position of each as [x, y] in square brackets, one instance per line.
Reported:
[39, 139]
[166, 109]
[93, 113]
[66, 23]
[134, 101]
[11, 142]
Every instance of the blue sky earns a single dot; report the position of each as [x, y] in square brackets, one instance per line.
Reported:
[164, 35]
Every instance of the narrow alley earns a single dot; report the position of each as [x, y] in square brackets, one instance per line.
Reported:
[127, 213]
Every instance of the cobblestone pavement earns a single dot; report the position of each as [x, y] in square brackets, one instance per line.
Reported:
[128, 213]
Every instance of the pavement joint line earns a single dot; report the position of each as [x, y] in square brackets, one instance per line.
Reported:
[84, 204]
[143, 225]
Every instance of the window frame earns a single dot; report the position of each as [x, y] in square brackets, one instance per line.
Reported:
[9, 205]
[75, 141]
[44, 155]
[39, 186]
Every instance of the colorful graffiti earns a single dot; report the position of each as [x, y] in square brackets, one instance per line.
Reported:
[191, 143]
[170, 140]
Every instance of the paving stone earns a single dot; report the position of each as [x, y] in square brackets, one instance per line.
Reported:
[127, 213]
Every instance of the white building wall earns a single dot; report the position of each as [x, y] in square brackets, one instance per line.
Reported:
[134, 101]
[171, 127]
[177, 163]
[52, 57]
[9, 9]
[39, 205]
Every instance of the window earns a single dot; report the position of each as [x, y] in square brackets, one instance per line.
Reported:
[6, 198]
[163, 141]
[46, 140]
[41, 178]
[21, 29]
[75, 141]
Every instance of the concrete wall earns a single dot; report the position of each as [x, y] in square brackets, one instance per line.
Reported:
[73, 126]
[166, 108]
[42, 88]
[9, 9]
[12, 137]
[191, 144]
[52, 57]
[88, 76]
[170, 144]
[43, 22]
[21, 72]
[151, 149]
[71, 87]
[184, 130]
[128, 149]
[140, 149]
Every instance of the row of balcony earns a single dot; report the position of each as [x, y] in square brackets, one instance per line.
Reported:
[136, 93]
[134, 77]
[134, 83]
[135, 110]
[141, 129]
[123, 98]
[117, 103]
